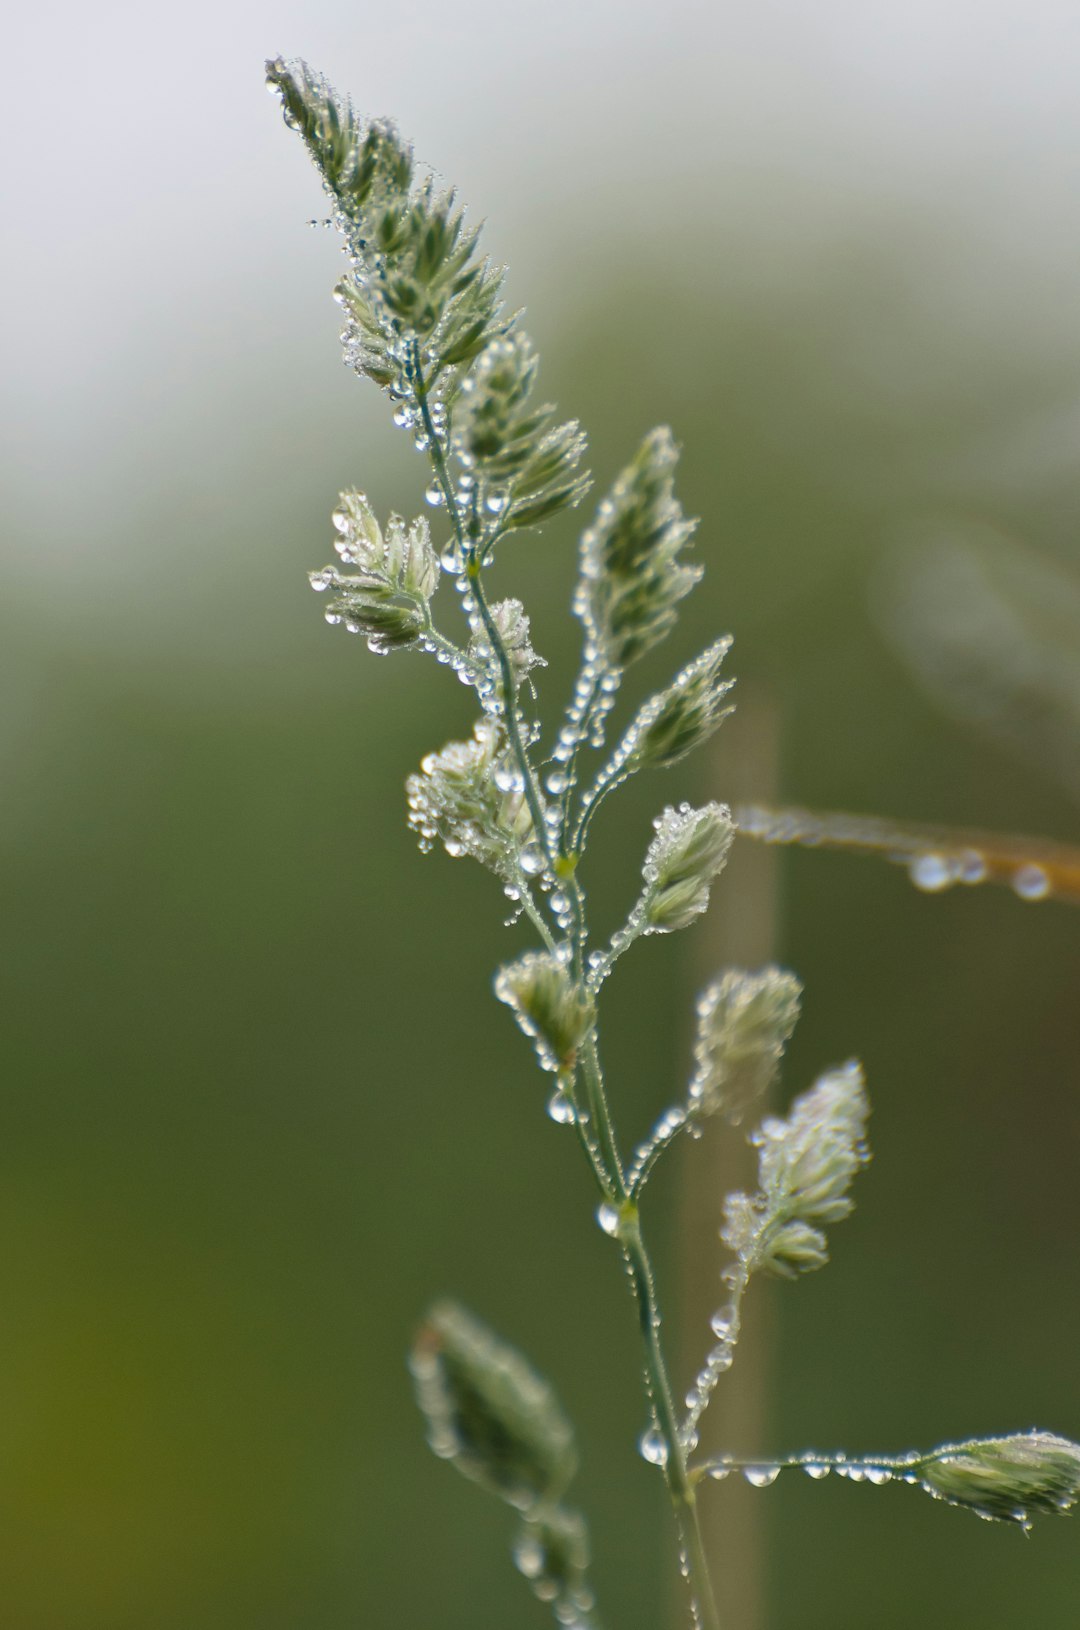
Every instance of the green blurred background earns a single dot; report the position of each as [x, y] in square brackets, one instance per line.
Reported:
[260, 1106]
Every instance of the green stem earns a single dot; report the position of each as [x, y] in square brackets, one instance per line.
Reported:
[438, 641]
[629, 1235]
[676, 1473]
[600, 1115]
[640, 1174]
[589, 807]
[592, 1151]
[510, 713]
[471, 562]
[532, 911]
[569, 769]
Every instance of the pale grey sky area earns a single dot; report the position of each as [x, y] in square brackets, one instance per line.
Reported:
[157, 271]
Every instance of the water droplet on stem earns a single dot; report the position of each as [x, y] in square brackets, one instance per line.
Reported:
[652, 1446]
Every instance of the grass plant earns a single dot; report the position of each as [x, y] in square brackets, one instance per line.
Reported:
[425, 321]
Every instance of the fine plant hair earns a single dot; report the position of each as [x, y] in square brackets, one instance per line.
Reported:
[424, 320]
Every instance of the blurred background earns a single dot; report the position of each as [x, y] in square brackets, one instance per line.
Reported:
[259, 1104]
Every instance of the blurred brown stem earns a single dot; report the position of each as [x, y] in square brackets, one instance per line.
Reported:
[739, 931]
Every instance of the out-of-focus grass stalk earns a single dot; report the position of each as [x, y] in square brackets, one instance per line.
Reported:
[740, 931]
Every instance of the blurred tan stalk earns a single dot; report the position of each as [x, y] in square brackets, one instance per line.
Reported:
[739, 931]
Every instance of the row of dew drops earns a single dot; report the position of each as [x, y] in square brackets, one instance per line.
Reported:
[932, 865]
[764, 1473]
[932, 872]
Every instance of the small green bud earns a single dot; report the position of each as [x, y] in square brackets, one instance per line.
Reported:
[455, 798]
[1012, 1479]
[550, 1008]
[687, 853]
[367, 344]
[806, 1163]
[385, 599]
[631, 577]
[489, 1412]
[491, 423]
[674, 722]
[403, 561]
[360, 539]
[386, 625]
[513, 627]
[809, 1160]
[792, 1249]
[744, 1021]
[524, 467]
[366, 169]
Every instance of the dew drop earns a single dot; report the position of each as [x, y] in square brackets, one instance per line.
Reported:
[722, 1321]
[332, 617]
[556, 783]
[529, 1557]
[561, 1109]
[1031, 883]
[652, 1446]
[508, 778]
[532, 860]
[608, 1218]
[434, 496]
[931, 873]
[878, 1475]
[972, 867]
[719, 1470]
[816, 1470]
[760, 1477]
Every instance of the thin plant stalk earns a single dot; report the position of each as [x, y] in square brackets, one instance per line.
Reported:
[741, 761]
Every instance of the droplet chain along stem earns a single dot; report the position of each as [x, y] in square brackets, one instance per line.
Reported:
[676, 1473]
[765, 1469]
